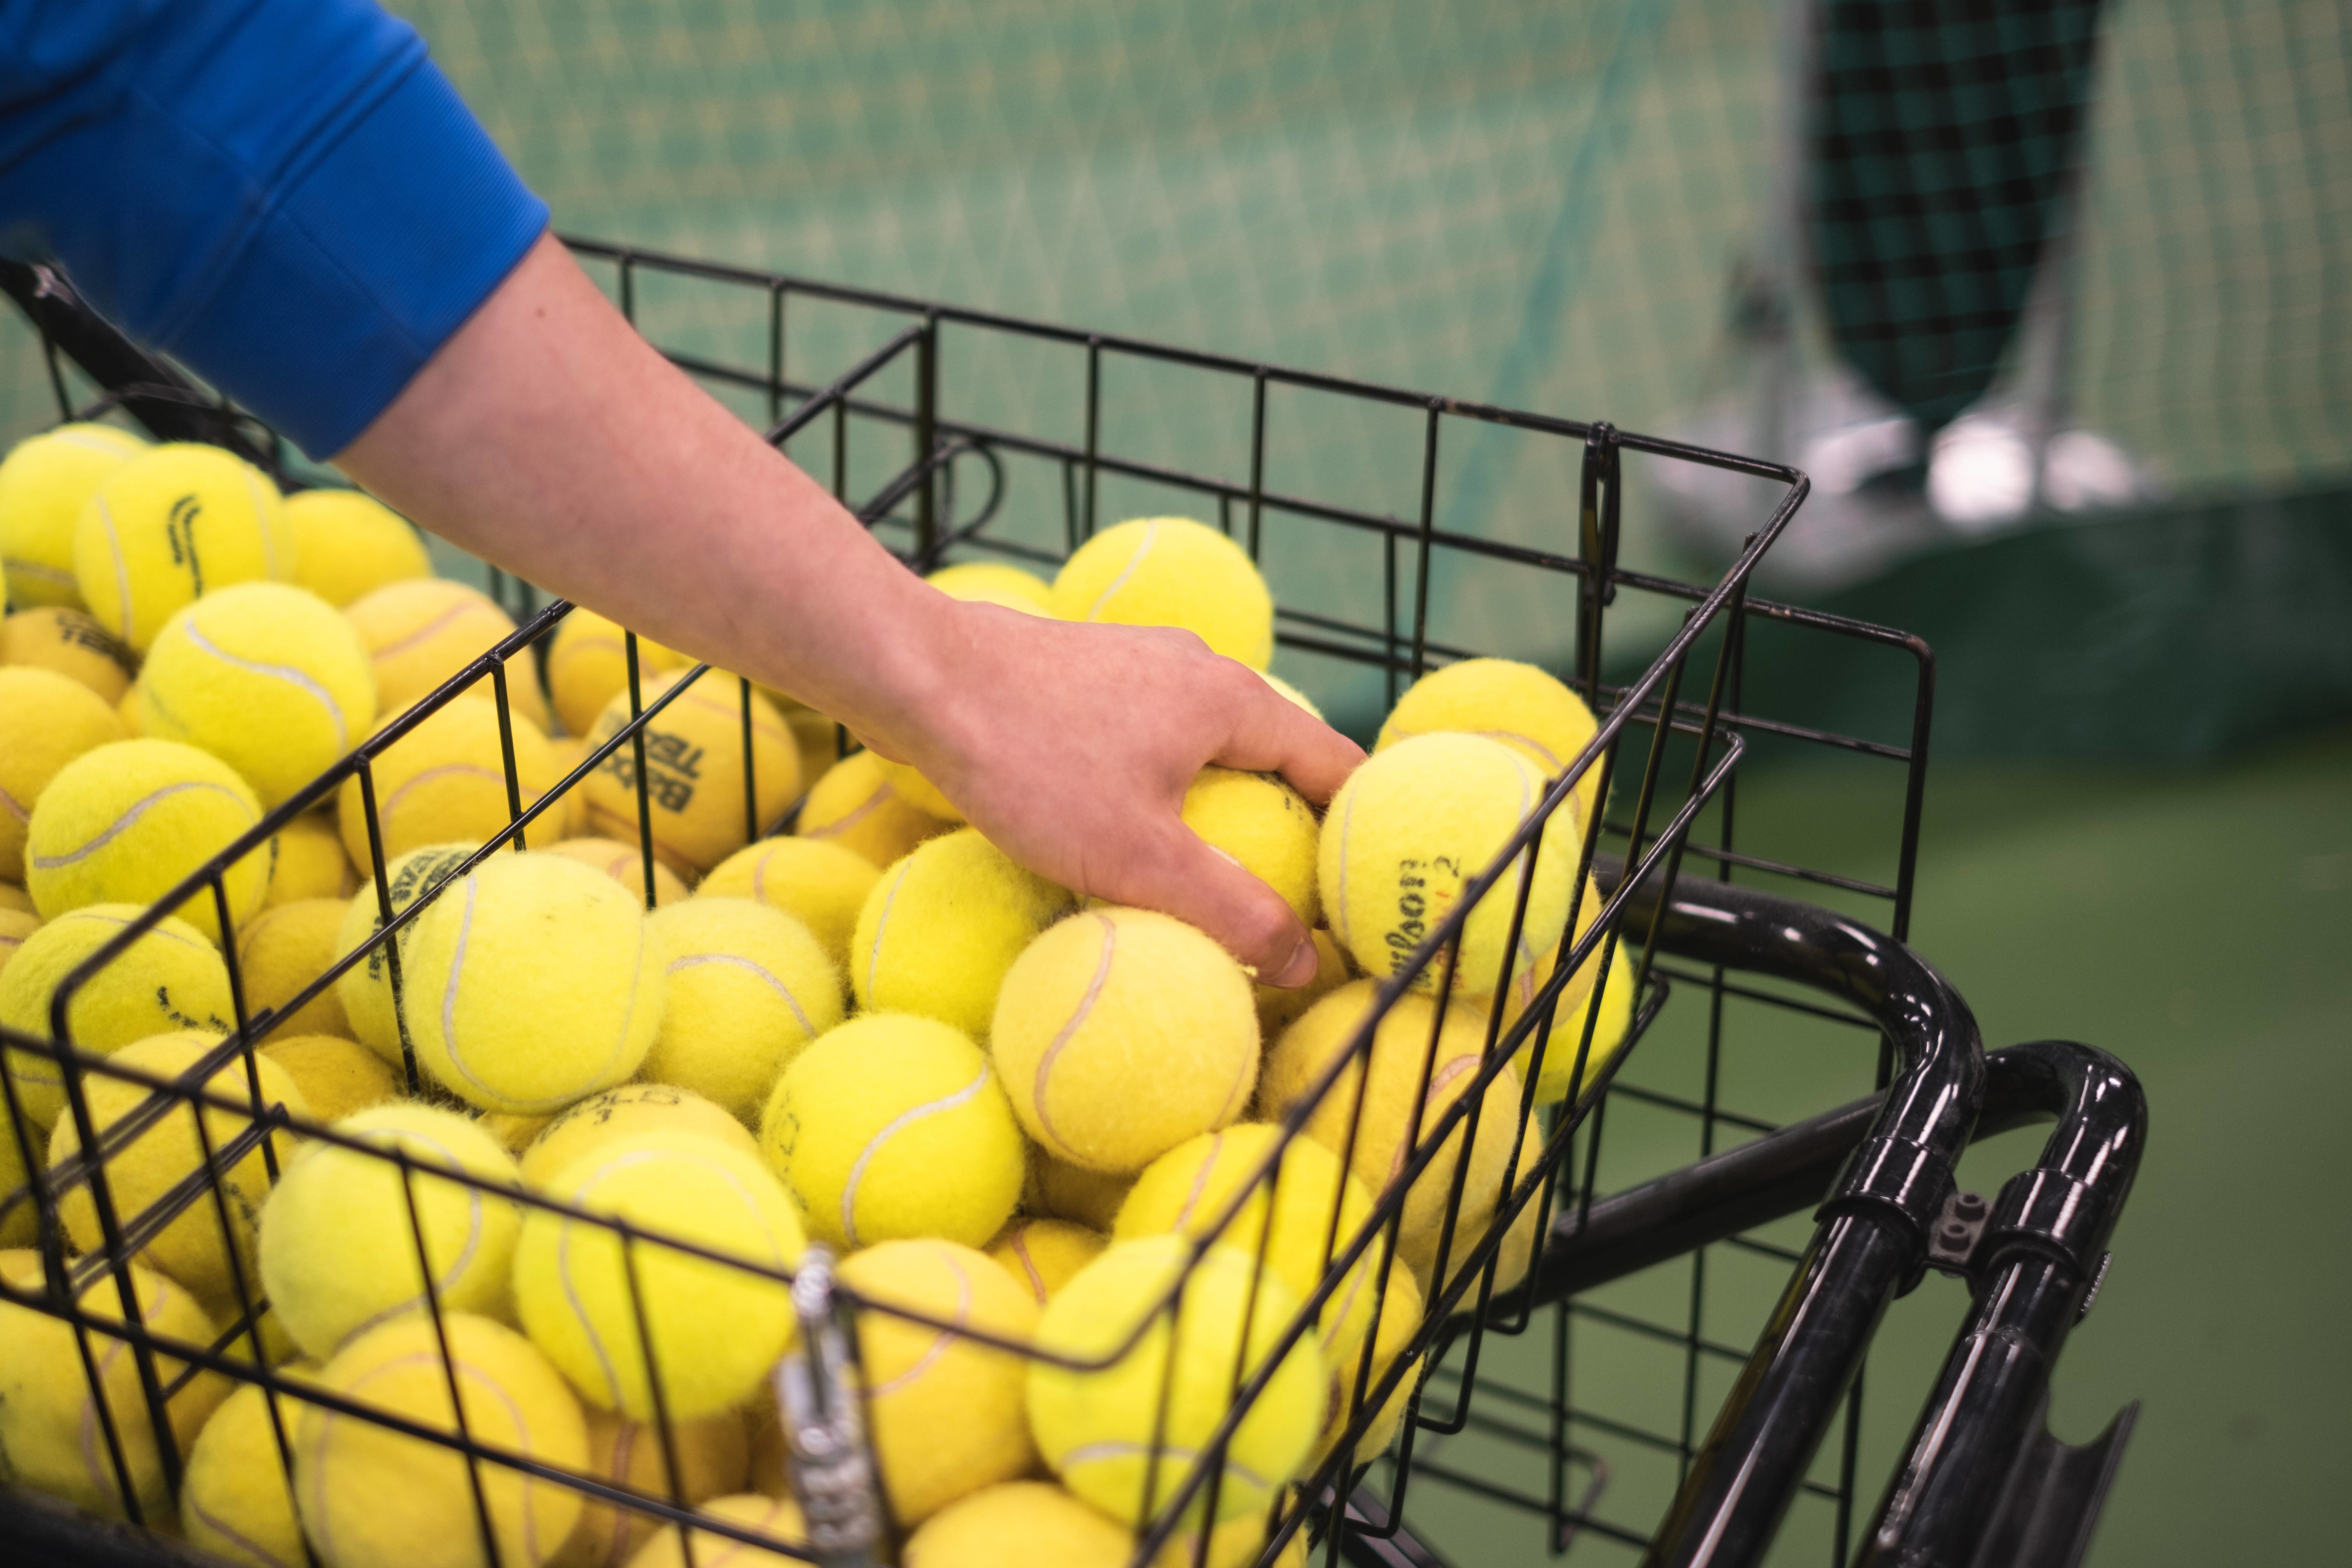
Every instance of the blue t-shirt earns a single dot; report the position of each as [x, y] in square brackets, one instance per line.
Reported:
[285, 195]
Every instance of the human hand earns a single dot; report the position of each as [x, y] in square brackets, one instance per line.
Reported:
[1071, 746]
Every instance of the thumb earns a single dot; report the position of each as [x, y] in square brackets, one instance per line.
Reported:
[1172, 871]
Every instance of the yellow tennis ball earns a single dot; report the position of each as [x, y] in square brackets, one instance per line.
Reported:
[173, 523]
[894, 1126]
[196, 1246]
[365, 988]
[372, 1496]
[1019, 1524]
[1042, 1255]
[1122, 1033]
[816, 740]
[776, 1519]
[1385, 1115]
[45, 721]
[1318, 1208]
[282, 949]
[713, 1460]
[820, 884]
[1262, 826]
[337, 1077]
[1097, 1429]
[50, 1425]
[1277, 1009]
[695, 764]
[1526, 709]
[68, 642]
[169, 979]
[995, 582]
[127, 822]
[712, 1328]
[339, 1249]
[939, 931]
[1400, 1319]
[1569, 1014]
[570, 751]
[945, 1413]
[445, 782]
[1172, 572]
[1516, 1251]
[919, 791]
[265, 676]
[856, 806]
[1059, 1190]
[15, 925]
[235, 1500]
[748, 988]
[44, 483]
[422, 631]
[624, 1113]
[19, 1220]
[625, 865]
[588, 665]
[1409, 831]
[14, 897]
[311, 862]
[347, 544]
[532, 983]
[1291, 693]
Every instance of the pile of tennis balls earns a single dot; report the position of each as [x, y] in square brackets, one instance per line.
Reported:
[1002, 1107]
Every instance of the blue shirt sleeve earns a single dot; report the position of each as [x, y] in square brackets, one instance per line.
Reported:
[286, 195]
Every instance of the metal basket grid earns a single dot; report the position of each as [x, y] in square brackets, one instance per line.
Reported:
[1678, 781]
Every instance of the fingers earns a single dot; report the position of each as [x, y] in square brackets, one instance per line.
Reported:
[1271, 734]
[1172, 870]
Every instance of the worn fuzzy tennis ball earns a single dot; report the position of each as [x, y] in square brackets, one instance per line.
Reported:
[129, 821]
[68, 642]
[337, 1077]
[50, 1426]
[1042, 1255]
[625, 865]
[1121, 1033]
[713, 1330]
[339, 1249]
[1172, 572]
[1318, 1209]
[235, 1502]
[195, 1248]
[995, 582]
[776, 1519]
[45, 482]
[421, 632]
[820, 884]
[1292, 694]
[1399, 1318]
[446, 781]
[532, 983]
[265, 676]
[939, 931]
[19, 1220]
[282, 949]
[311, 862]
[570, 751]
[713, 1460]
[1277, 1009]
[372, 1496]
[1569, 1014]
[1390, 1111]
[365, 988]
[169, 979]
[1059, 1190]
[1262, 826]
[1409, 831]
[945, 1412]
[1516, 1251]
[1097, 1428]
[748, 989]
[173, 524]
[1017, 1525]
[45, 721]
[624, 1113]
[856, 806]
[14, 897]
[695, 761]
[1526, 709]
[347, 544]
[895, 1126]
[588, 665]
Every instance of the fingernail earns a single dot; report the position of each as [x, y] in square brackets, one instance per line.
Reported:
[1301, 967]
